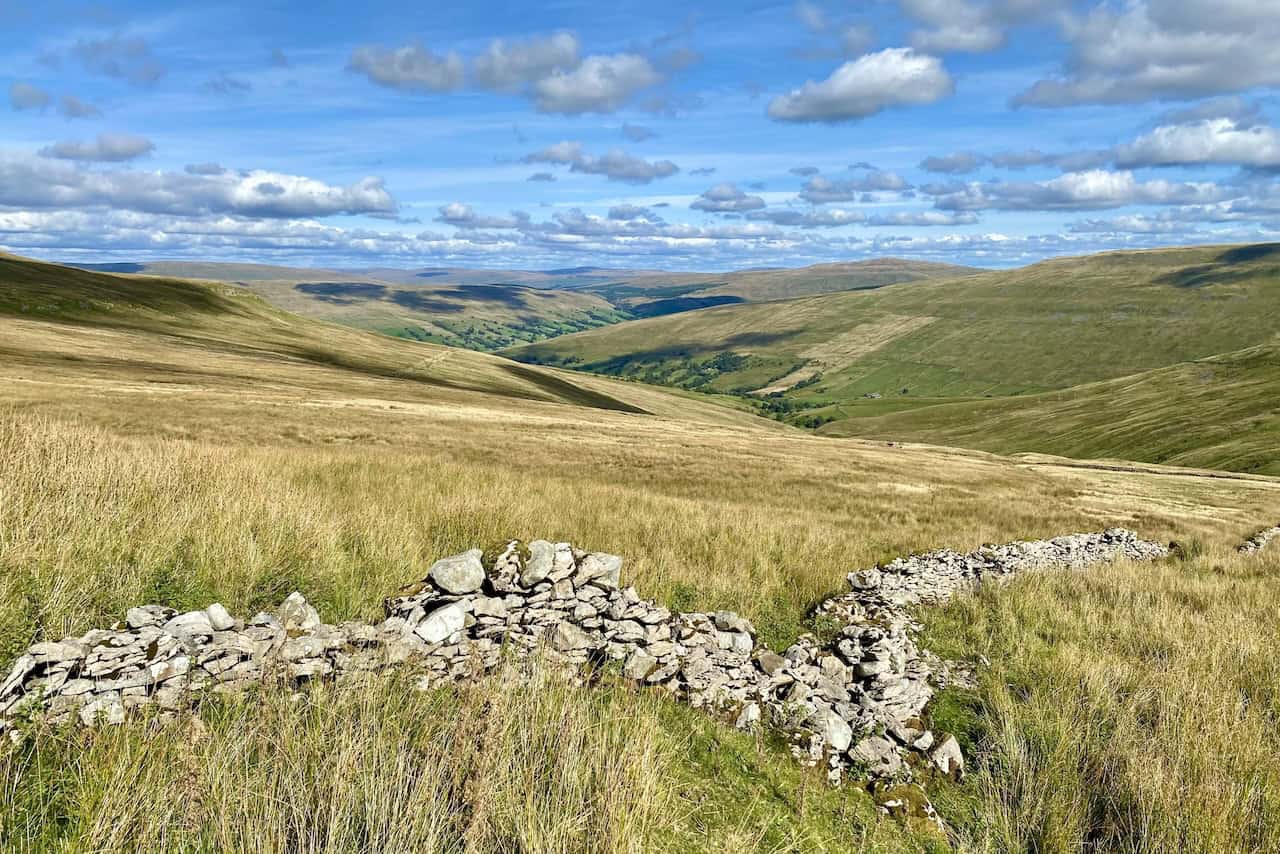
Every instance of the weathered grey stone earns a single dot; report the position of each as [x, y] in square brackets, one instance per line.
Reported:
[770, 662]
[147, 616]
[56, 652]
[639, 665]
[442, 622]
[459, 574]
[867, 579]
[567, 637]
[296, 614]
[602, 570]
[834, 731]
[483, 606]
[219, 618]
[189, 624]
[541, 560]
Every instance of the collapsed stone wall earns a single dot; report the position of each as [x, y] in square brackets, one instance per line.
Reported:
[855, 703]
[1260, 540]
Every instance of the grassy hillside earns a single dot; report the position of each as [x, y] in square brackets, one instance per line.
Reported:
[640, 293]
[481, 312]
[1222, 412]
[1010, 334]
[185, 444]
[492, 309]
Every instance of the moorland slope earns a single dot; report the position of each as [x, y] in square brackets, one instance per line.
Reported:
[1008, 335]
[183, 444]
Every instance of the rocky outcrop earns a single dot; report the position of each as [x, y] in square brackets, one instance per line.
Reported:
[1260, 540]
[855, 701]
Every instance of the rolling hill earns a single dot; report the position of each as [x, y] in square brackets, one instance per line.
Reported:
[184, 443]
[478, 311]
[171, 333]
[1008, 334]
[491, 309]
[1221, 412]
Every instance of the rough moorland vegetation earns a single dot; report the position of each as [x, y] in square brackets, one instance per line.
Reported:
[204, 450]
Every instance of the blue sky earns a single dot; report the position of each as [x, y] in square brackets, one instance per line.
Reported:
[655, 135]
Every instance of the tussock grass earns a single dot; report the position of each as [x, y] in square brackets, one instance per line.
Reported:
[512, 765]
[236, 454]
[1132, 708]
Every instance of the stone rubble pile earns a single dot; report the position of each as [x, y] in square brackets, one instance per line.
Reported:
[856, 702]
[1260, 540]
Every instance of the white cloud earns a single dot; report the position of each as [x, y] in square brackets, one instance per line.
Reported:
[1092, 190]
[865, 86]
[41, 183]
[726, 198]
[1162, 50]
[508, 66]
[410, 68]
[615, 164]
[107, 148]
[1219, 140]
[601, 84]
[820, 190]
[465, 217]
[26, 96]
[953, 164]
[813, 218]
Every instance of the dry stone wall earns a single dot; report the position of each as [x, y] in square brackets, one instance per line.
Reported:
[856, 703]
[1260, 540]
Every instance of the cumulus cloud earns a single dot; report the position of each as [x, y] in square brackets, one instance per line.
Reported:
[874, 82]
[28, 182]
[106, 148]
[972, 26]
[628, 213]
[820, 190]
[614, 165]
[1220, 140]
[726, 198]
[600, 84]
[1163, 50]
[121, 57]
[411, 68]
[465, 217]
[958, 163]
[922, 219]
[1092, 190]
[72, 107]
[205, 169]
[26, 96]
[508, 66]
[825, 218]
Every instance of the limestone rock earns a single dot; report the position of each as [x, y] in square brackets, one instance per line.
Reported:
[541, 560]
[460, 574]
[442, 622]
[296, 614]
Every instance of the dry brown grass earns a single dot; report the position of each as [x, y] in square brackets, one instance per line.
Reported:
[136, 467]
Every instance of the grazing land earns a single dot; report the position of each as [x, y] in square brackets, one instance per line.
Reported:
[1036, 359]
[185, 443]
